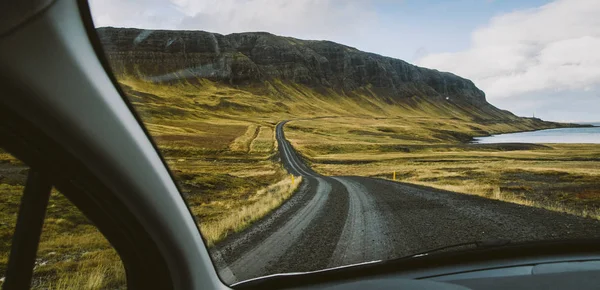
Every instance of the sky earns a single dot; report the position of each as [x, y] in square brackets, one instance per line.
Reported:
[537, 57]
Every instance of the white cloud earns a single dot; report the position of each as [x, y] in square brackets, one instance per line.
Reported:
[549, 49]
[315, 19]
[151, 14]
[335, 20]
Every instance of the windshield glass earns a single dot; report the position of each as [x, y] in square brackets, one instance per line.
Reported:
[307, 135]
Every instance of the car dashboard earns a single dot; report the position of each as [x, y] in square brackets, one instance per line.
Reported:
[576, 274]
[551, 265]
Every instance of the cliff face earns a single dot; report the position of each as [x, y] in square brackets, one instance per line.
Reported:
[245, 58]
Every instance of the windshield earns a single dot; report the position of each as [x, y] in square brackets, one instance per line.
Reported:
[307, 135]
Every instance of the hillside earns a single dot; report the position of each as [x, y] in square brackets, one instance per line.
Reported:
[293, 76]
[211, 103]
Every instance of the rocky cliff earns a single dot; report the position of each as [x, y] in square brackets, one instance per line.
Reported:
[259, 57]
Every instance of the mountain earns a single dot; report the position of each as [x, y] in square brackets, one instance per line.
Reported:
[259, 59]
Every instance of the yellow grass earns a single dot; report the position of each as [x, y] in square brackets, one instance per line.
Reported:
[105, 274]
[242, 143]
[264, 142]
[360, 134]
[494, 192]
[219, 143]
[72, 253]
[5, 157]
[263, 202]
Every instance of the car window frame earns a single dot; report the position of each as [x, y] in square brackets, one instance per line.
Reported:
[140, 255]
[94, 39]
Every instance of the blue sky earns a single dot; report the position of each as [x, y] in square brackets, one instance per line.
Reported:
[528, 56]
[440, 26]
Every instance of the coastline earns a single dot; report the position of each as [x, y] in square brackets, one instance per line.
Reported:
[557, 135]
[556, 125]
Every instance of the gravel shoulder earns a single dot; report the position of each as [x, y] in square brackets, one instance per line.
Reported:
[425, 218]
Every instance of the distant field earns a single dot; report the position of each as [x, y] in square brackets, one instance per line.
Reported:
[220, 145]
[223, 168]
[561, 177]
[264, 141]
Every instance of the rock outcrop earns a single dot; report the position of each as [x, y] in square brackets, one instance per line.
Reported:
[244, 58]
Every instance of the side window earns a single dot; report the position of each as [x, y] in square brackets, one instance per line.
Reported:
[72, 253]
[12, 181]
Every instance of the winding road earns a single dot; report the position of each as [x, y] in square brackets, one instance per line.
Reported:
[342, 220]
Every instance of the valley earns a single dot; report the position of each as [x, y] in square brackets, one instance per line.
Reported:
[367, 138]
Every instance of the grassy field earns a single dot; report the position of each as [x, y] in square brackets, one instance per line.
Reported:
[72, 253]
[219, 142]
[219, 139]
[561, 177]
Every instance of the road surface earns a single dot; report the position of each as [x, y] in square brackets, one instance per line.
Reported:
[342, 220]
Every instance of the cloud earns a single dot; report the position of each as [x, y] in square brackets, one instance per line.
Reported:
[547, 50]
[149, 14]
[315, 19]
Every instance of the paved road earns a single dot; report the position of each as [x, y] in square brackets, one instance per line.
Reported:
[342, 220]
